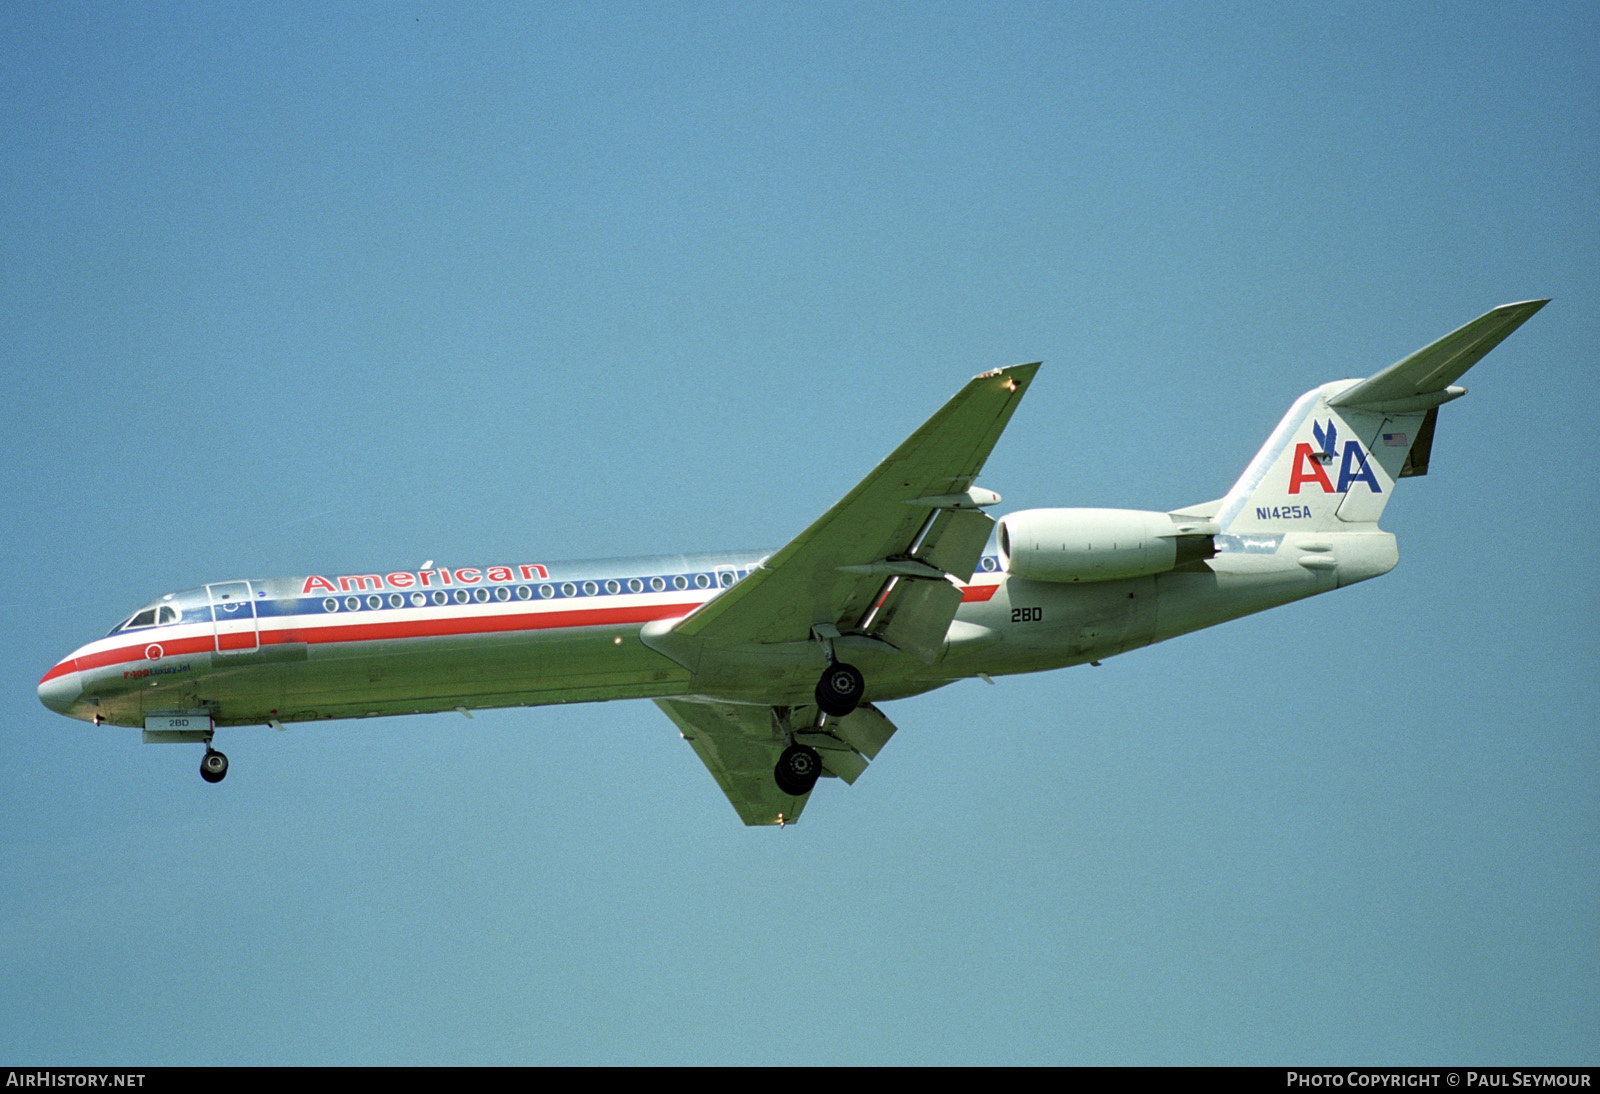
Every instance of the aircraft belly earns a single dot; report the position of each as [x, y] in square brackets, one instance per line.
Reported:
[472, 672]
[785, 673]
[124, 692]
[295, 681]
[1231, 586]
[1045, 625]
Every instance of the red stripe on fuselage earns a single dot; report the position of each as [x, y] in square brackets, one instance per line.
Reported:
[971, 593]
[377, 632]
[69, 665]
[176, 647]
[478, 624]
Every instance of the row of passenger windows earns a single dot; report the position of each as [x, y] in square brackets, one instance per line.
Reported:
[483, 595]
[153, 617]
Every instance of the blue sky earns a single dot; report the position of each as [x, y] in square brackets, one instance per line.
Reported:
[293, 291]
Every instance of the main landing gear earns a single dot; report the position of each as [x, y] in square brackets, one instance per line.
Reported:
[838, 693]
[798, 770]
[839, 690]
[215, 765]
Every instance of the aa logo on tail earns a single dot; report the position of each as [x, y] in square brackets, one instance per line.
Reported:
[1308, 462]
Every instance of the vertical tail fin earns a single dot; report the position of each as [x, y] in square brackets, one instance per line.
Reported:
[1324, 468]
[1332, 462]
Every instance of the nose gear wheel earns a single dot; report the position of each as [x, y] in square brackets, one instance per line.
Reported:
[214, 767]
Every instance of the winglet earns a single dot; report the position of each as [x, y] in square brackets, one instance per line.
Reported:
[1432, 369]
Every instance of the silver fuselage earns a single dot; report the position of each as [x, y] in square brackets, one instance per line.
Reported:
[349, 646]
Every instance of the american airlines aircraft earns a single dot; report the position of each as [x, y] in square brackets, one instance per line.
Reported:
[774, 666]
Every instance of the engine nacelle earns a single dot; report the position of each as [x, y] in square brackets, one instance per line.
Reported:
[1098, 544]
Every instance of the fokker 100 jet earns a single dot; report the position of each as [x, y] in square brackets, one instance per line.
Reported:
[775, 666]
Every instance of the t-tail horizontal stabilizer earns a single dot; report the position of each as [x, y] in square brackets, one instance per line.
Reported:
[1407, 384]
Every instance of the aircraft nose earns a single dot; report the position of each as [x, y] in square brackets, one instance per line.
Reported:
[61, 687]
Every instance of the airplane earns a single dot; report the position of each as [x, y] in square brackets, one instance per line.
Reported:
[774, 665]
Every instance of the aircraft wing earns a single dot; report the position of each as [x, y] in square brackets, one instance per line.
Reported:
[879, 561]
[739, 744]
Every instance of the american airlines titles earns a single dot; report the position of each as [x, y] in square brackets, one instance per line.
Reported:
[423, 579]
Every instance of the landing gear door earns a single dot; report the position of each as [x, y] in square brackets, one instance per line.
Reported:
[233, 613]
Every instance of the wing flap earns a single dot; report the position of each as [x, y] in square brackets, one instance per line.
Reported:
[956, 541]
[864, 729]
[916, 616]
[838, 758]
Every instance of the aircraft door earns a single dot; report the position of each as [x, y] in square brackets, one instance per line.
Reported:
[233, 614]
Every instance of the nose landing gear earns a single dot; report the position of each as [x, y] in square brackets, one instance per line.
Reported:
[214, 767]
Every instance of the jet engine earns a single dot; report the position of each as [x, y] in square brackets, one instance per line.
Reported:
[1099, 544]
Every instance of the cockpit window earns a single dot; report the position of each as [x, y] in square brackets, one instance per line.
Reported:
[150, 617]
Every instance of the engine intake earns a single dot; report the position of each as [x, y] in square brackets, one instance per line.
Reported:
[1098, 544]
